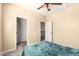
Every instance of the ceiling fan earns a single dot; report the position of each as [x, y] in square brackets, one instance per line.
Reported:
[47, 5]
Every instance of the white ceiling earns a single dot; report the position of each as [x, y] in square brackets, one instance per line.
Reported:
[43, 11]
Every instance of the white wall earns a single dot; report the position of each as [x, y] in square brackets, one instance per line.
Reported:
[66, 26]
[0, 28]
[10, 12]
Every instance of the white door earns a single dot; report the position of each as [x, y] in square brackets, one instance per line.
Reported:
[49, 31]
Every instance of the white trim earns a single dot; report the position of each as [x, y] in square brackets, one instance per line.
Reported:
[21, 17]
[8, 51]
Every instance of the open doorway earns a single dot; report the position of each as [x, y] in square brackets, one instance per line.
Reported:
[42, 31]
[21, 31]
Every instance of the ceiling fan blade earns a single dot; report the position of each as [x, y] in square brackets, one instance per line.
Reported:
[40, 7]
[56, 3]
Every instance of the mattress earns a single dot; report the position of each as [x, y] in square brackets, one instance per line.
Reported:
[46, 48]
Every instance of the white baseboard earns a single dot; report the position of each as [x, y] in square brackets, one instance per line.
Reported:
[8, 50]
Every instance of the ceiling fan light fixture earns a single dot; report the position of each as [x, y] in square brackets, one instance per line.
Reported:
[47, 5]
[49, 9]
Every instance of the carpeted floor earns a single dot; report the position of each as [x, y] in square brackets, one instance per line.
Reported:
[16, 52]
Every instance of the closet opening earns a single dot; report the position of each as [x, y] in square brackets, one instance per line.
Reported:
[42, 31]
[21, 31]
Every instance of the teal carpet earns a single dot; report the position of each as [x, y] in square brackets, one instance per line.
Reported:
[46, 48]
